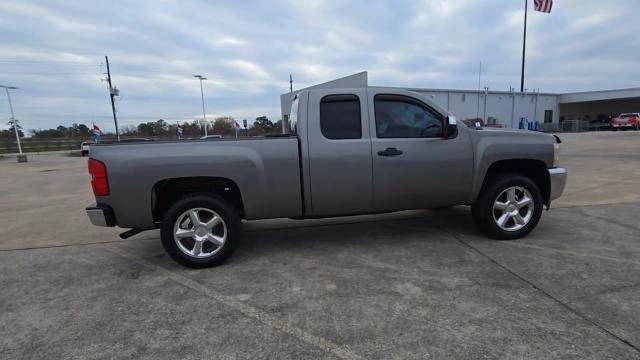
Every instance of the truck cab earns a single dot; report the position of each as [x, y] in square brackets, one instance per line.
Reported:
[378, 149]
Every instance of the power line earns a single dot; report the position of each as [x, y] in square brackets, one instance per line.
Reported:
[31, 73]
[77, 62]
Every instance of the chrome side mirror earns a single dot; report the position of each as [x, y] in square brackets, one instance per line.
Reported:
[451, 127]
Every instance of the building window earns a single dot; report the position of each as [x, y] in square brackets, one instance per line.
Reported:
[340, 117]
[548, 116]
[400, 116]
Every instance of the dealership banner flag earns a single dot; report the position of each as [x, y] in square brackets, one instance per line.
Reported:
[543, 5]
[97, 133]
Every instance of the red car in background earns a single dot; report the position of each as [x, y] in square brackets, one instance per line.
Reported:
[626, 121]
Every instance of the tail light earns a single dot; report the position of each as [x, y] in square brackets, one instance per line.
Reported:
[99, 181]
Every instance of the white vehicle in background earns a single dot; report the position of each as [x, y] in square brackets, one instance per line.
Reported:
[84, 147]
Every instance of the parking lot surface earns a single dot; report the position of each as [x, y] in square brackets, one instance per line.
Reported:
[408, 285]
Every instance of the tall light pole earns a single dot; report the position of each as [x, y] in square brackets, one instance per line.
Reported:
[13, 119]
[204, 113]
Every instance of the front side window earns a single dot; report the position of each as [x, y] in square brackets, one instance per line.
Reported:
[400, 116]
[340, 117]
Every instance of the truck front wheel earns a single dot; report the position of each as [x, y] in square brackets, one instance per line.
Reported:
[509, 207]
[200, 231]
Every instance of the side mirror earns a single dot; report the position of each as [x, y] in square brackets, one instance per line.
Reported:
[450, 127]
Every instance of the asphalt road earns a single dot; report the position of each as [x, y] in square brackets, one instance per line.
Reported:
[415, 284]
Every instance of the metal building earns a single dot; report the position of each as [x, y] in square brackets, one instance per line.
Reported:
[510, 108]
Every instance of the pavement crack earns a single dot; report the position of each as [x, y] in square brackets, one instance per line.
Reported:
[610, 183]
[606, 291]
[340, 351]
[546, 293]
[615, 222]
[72, 245]
[572, 253]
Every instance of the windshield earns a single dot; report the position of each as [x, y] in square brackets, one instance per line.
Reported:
[628, 115]
[293, 117]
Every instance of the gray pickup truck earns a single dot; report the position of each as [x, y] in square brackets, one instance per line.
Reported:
[348, 151]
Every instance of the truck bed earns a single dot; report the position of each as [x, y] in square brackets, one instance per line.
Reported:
[265, 170]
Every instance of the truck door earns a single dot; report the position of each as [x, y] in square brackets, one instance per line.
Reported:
[339, 152]
[413, 165]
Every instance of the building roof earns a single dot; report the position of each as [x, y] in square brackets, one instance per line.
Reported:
[600, 95]
[360, 80]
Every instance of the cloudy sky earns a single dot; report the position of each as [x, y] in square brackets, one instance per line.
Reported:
[54, 51]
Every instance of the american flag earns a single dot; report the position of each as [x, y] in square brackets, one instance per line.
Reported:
[236, 125]
[543, 5]
[96, 129]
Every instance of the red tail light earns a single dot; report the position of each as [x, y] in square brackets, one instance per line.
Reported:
[99, 181]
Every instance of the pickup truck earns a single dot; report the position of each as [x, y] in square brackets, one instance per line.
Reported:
[347, 152]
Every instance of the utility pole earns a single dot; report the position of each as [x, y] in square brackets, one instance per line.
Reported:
[285, 118]
[524, 45]
[204, 113]
[111, 95]
[479, 75]
[486, 94]
[13, 119]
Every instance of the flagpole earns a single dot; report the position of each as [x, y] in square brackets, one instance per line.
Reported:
[524, 45]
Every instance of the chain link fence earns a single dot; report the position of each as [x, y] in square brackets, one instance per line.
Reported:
[40, 145]
[566, 126]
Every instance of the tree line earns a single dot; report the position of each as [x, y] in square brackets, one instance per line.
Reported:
[160, 128]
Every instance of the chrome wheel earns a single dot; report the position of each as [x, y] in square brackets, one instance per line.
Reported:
[513, 208]
[200, 232]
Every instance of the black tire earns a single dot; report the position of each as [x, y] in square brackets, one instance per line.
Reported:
[482, 210]
[205, 201]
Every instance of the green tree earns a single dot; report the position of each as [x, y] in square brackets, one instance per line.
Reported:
[223, 125]
[10, 123]
[7, 134]
[261, 126]
[84, 131]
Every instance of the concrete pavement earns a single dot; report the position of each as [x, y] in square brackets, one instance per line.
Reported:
[415, 284]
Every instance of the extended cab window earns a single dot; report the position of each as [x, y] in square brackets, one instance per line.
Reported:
[400, 116]
[340, 117]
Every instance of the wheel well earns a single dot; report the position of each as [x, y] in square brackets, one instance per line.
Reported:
[167, 192]
[535, 170]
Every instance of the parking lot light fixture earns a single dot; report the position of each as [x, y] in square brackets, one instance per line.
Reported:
[13, 119]
[204, 113]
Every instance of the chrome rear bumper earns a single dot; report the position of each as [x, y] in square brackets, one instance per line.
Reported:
[557, 182]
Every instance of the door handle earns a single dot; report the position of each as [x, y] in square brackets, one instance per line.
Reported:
[390, 152]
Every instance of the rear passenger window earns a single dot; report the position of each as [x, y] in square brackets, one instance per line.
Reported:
[340, 117]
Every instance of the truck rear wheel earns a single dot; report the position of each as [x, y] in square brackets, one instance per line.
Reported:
[200, 231]
[509, 207]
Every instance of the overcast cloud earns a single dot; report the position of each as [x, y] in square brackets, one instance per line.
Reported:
[54, 51]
